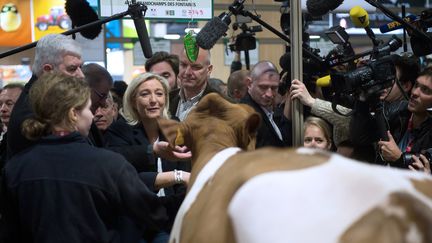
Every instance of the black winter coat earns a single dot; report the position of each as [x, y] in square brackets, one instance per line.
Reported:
[65, 190]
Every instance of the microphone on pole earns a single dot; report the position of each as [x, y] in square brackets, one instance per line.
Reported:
[216, 27]
[213, 30]
[137, 11]
[322, 7]
[80, 14]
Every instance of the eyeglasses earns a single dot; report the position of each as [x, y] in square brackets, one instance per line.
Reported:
[101, 96]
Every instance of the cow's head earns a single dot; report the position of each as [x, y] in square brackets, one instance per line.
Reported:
[214, 122]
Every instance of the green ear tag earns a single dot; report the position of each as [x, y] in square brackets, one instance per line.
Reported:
[190, 46]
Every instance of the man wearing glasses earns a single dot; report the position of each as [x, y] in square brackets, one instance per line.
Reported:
[100, 82]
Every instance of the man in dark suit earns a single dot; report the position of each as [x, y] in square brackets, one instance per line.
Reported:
[262, 91]
[100, 82]
[193, 78]
[8, 97]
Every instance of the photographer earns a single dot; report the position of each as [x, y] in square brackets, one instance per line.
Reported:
[408, 124]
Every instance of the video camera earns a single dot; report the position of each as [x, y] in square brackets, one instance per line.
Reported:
[244, 41]
[366, 81]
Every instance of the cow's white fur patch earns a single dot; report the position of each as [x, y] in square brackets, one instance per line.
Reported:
[204, 175]
[315, 204]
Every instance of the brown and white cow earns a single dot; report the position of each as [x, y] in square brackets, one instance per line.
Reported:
[288, 195]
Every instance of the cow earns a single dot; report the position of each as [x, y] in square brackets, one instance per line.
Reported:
[237, 194]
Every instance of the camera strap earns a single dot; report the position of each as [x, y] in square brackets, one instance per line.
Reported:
[399, 85]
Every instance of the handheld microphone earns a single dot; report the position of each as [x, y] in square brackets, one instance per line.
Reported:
[395, 25]
[216, 28]
[324, 81]
[360, 19]
[137, 11]
[322, 7]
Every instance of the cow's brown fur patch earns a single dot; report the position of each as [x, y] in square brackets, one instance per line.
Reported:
[423, 186]
[209, 211]
[403, 219]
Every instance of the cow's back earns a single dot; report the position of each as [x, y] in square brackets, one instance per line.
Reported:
[207, 220]
[279, 195]
[338, 201]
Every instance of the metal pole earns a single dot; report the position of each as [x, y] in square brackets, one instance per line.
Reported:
[296, 69]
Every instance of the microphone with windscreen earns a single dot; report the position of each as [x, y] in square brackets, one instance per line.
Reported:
[213, 31]
[81, 13]
[322, 7]
[137, 11]
[218, 26]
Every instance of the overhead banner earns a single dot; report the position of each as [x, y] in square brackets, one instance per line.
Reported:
[163, 9]
[15, 22]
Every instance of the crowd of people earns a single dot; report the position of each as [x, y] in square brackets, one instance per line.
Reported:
[83, 158]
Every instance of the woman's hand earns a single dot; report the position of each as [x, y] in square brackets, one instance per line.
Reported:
[164, 150]
[299, 90]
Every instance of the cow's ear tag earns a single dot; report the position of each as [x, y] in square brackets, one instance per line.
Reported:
[191, 46]
[179, 138]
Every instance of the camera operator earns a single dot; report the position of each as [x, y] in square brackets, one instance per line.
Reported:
[408, 122]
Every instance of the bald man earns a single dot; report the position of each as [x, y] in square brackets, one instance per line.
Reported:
[263, 84]
[193, 79]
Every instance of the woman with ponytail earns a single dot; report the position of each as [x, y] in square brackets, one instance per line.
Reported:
[62, 189]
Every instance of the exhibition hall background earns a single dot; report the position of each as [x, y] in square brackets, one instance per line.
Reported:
[115, 47]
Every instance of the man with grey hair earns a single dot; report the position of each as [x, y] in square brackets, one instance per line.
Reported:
[54, 53]
[262, 90]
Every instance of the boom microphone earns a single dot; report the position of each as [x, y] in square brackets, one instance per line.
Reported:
[395, 25]
[322, 7]
[360, 18]
[216, 28]
[213, 30]
[80, 14]
[137, 11]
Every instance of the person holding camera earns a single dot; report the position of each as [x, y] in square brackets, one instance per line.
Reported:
[406, 144]
[389, 112]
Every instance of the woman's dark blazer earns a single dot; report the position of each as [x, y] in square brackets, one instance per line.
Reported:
[132, 142]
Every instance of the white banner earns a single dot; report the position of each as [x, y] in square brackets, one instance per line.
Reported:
[163, 9]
